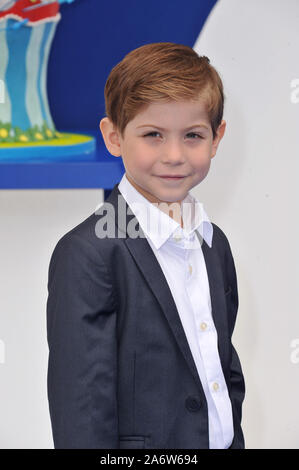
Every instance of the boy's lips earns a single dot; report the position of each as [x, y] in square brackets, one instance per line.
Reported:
[172, 176]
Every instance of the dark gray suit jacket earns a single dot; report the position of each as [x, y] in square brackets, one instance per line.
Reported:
[120, 372]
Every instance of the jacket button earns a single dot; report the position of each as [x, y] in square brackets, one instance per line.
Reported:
[192, 403]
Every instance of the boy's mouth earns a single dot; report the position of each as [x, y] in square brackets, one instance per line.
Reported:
[173, 177]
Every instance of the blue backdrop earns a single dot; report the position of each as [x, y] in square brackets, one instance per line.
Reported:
[93, 36]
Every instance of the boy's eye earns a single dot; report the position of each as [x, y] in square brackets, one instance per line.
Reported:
[152, 134]
[197, 136]
[192, 134]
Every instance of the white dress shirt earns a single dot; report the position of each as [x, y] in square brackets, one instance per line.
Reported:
[178, 251]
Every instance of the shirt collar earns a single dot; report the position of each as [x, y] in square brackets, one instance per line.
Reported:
[158, 225]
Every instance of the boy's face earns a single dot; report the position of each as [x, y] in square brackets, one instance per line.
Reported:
[165, 139]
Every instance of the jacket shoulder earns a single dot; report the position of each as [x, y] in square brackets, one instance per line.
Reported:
[219, 237]
[85, 230]
[82, 235]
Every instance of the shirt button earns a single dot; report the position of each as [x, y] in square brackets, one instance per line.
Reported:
[190, 269]
[177, 238]
[215, 386]
[203, 326]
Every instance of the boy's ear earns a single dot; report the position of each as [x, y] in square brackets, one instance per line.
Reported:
[218, 137]
[111, 136]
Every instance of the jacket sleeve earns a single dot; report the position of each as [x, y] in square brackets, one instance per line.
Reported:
[237, 384]
[81, 332]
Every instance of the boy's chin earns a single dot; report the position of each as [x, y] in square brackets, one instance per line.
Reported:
[170, 199]
[156, 195]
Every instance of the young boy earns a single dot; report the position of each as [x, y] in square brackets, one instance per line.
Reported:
[143, 294]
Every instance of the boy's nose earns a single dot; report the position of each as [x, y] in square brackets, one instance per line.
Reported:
[173, 153]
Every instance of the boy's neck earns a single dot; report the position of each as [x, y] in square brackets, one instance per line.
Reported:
[175, 215]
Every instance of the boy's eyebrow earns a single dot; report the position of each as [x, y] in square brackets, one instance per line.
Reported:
[162, 129]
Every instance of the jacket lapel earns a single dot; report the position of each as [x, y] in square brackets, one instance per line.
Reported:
[152, 272]
[218, 301]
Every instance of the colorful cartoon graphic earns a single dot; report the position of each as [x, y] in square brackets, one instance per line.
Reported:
[32, 10]
[27, 29]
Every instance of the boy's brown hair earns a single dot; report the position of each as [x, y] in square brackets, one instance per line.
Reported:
[160, 72]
